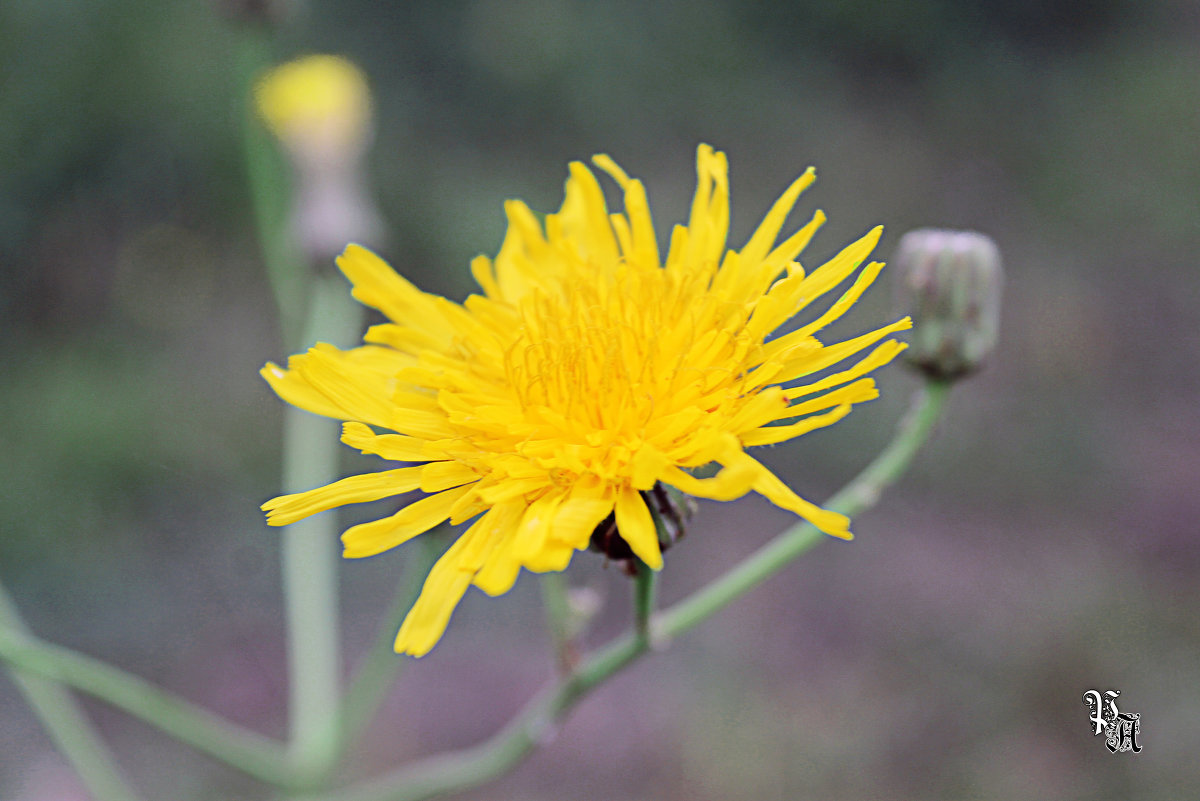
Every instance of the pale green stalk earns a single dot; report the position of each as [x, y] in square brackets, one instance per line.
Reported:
[247, 751]
[860, 494]
[558, 612]
[381, 664]
[458, 771]
[310, 450]
[267, 180]
[67, 725]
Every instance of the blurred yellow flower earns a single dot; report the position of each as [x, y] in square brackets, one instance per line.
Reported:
[587, 371]
[320, 101]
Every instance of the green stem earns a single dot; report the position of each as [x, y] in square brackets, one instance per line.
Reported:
[558, 613]
[310, 451]
[860, 494]
[247, 751]
[310, 558]
[471, 767]
[269, 193]
[381, 664]
[65, 722]
[644, 584]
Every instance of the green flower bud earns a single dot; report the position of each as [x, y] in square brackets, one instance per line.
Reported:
[950, 282]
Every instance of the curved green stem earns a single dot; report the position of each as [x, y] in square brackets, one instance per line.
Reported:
[381, 664]
[65, 722]
[558, 614]
[473, 766]
[251, 753]
[860, 494]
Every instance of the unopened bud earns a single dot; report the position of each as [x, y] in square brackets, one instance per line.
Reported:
[950, 282]
[318, 106]
[320, 109]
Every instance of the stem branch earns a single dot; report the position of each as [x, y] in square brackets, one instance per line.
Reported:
[460, 770]
[64, 721]
[381, 664]
[247, 751]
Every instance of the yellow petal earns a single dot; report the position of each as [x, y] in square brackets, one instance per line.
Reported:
[860, 391]
[769, 435]
[500, 569]
[377, 285]
[394, 447]
[851, 296]
[438, 476]
[832, 354]
[360, 394]
[368, 539]
[768, 230]
[836, 270]
[443, 589]
[427, 620]
[770, 487]
[579, 514]
[636, 527]
[790, 248]
[731, 482]
[485, 276]
[874, 360]
[533, 532]
[294, 389]
[356, 489]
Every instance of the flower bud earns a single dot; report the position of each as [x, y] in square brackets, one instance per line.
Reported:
[320, 109]
[950, 282]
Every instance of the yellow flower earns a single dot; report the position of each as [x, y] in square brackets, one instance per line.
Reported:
[316, 103]
[587, 371]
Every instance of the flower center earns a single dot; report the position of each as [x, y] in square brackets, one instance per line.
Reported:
[612, 364]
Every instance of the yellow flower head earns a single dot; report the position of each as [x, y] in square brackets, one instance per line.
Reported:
[588, 370]
[316, 101]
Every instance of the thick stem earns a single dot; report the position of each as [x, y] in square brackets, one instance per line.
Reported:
[310, 558]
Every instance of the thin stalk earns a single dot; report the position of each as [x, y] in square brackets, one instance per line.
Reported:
[644, 584]
[558, 613]
[245, 750]
[860, 494]
[472, 767]
[310, 310]
[461, 770]
[381, 664]
[267, 179]
[67, 725]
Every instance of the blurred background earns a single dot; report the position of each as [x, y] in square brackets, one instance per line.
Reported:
[1045, 543]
